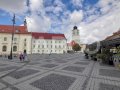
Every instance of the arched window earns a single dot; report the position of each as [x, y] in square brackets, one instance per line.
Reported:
[14, 48]
[4, 48]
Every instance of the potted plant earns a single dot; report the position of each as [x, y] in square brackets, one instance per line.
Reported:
[99, 57]
[93, 57]
[105, 56]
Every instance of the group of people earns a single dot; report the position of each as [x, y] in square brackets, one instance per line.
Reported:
[23, 56]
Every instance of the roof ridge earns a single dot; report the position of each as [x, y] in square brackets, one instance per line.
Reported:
[12, 25]
[46, 33]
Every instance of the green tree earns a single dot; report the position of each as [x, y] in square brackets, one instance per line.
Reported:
[76, 47]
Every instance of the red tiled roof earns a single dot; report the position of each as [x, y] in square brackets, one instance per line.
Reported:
[9, 29]
[71, 43]
[37, 35]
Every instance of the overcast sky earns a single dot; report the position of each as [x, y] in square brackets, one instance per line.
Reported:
[96, 19]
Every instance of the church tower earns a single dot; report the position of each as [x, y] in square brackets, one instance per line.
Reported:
[75, 35]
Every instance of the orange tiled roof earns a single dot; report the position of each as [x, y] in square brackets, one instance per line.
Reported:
[17, 29]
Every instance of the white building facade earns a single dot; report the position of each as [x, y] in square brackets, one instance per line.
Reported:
[47, 43]
[21, 40]
[42, 43]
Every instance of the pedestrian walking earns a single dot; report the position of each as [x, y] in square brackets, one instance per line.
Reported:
[21, 57]
[25, 55]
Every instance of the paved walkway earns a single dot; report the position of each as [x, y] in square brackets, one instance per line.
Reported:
[57, 72]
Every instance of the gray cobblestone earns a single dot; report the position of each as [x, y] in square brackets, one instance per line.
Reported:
[49, 65]
[110, 73]
[60, 61]
[8, 68]
[74, 68]
[54, 82]
[108, 87]
[23, 73]
[82, 63]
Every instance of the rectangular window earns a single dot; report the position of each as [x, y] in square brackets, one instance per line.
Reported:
[15, 39]
[33, 46]
[59, 46]
[25, 44]
[5, 38]
[55, 46]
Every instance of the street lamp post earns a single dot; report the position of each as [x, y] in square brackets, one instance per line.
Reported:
[13, 20]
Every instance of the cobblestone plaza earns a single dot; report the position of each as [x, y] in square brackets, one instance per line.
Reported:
[57, 72]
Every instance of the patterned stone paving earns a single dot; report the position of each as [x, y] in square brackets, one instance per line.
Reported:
[54, 82]
[82, 63]
[3, 64]
[48, 60]
[71, 72]
[34, 63]
[74, 68]
[103, 86]
[23, 73]
[8, 68]
[49, 65]
[110, 73]
[9, 85]
[60, 61]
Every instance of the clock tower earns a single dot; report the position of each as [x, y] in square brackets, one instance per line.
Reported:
[75, 35]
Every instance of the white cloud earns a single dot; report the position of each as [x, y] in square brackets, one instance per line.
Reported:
[56, 8]
[97, 26]
[38, 24]
[38, 21]
[102, 27]
[76, 17]
[107, 5]
[77, 3]
[36, 5]
[14, 6]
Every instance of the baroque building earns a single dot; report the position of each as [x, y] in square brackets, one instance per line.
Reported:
[20, 42]
[32, 42]
[46, 43]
